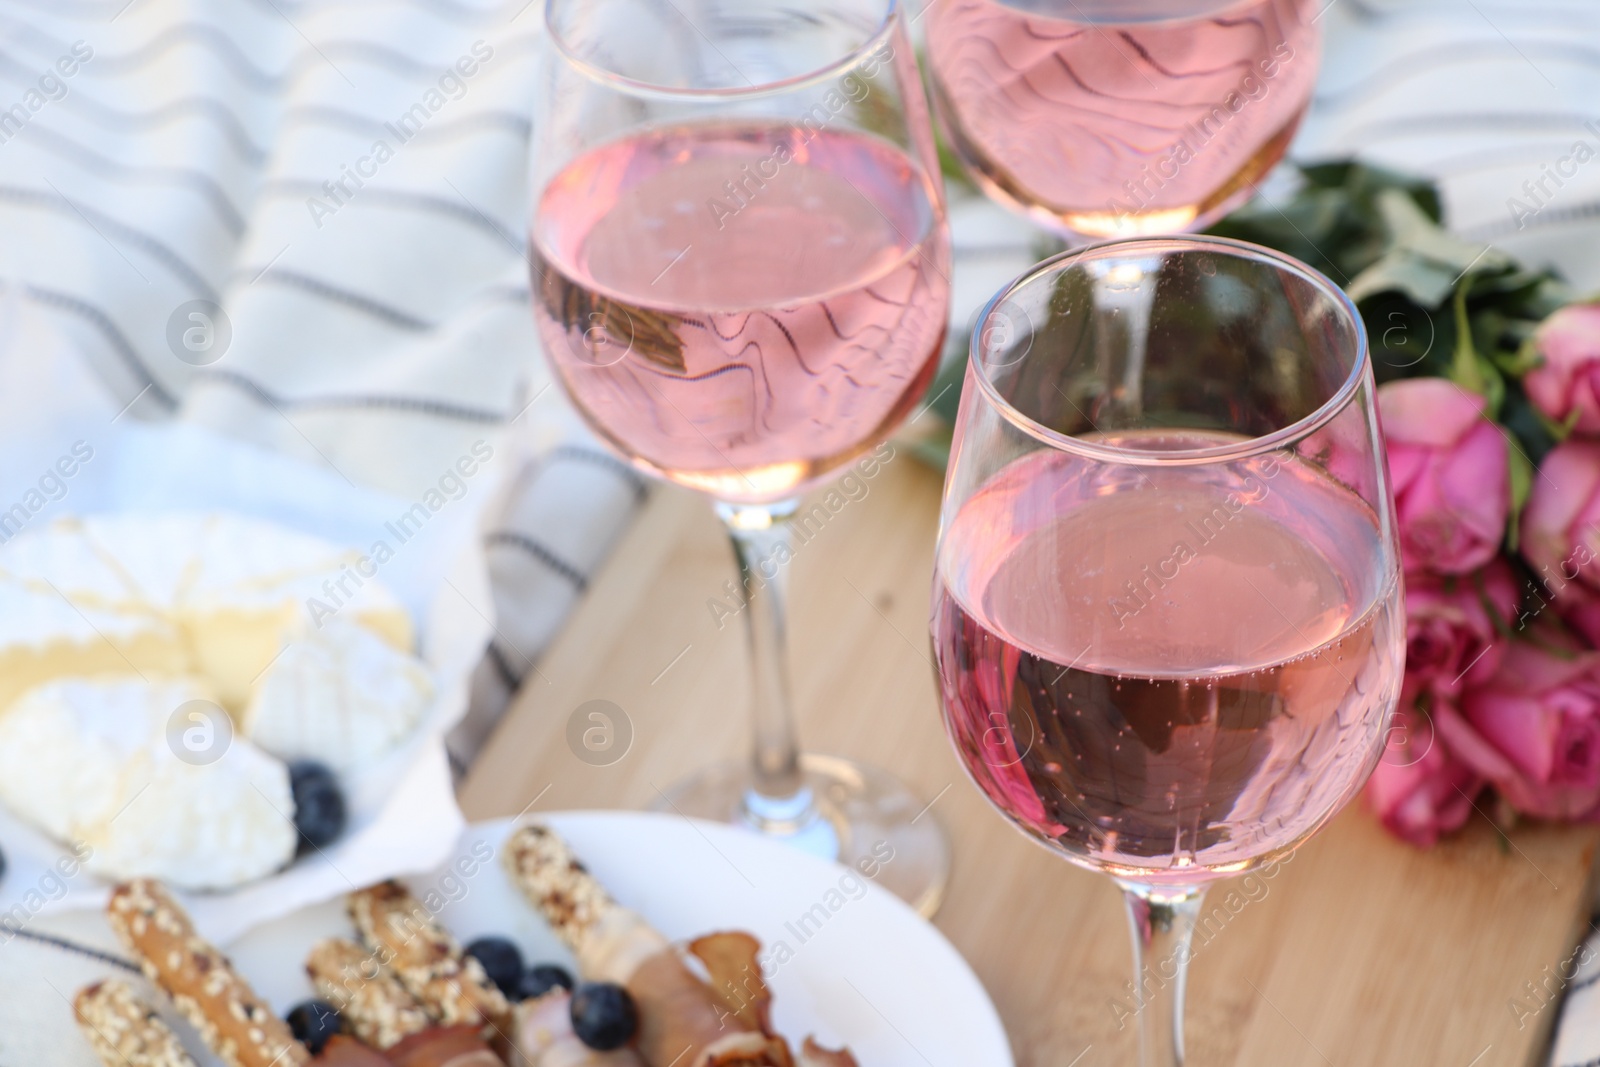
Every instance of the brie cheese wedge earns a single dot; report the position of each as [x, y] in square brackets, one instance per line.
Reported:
[182, 593]
[340, 695]
[146, 777]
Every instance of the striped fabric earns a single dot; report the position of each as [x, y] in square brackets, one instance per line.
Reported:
[1497, 100]
[346, 180]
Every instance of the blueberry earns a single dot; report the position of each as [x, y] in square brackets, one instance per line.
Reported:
[501, 960]
[2, 866]
[541, 979]
[603, 1015]
[313, 1023]
[319, 813]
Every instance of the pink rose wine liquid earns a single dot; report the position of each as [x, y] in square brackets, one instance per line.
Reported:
[1117, 130]
[1174, 683]
[742, 309]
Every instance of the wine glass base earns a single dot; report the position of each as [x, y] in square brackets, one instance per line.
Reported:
[864, 819]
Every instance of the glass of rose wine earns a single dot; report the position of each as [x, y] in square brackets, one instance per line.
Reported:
[1121, 118]
[740, 267]
[1167, 610]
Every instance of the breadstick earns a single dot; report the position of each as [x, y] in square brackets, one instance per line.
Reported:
[609, 940]
[682, 1021]
[124, 1031]
[236, 1024]
[372, 1001]
[425, 957]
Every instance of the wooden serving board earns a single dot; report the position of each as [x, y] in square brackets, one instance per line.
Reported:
[1360, 951]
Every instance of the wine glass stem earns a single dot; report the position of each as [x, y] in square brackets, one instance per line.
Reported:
[1162, 920]
[763, 544]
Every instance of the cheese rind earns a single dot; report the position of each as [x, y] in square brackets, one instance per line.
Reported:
[340, 695]
[214, 595]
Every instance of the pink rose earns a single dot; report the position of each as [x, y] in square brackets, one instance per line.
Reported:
[1451, 476]
[1451, 638]
[1582, 612]
[1420, 790]
[1534, 730]
[1568, 380]
[1561, 533]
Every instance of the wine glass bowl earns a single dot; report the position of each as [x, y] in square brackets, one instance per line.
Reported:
[741, 263]
[1109, 119]
[740, 270]
[1167, 612]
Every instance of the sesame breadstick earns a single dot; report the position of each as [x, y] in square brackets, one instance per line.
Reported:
[682, 1022]
[237, 1025]
[425, 957]
[609, 941]
[372, 1001]
[124, 1031]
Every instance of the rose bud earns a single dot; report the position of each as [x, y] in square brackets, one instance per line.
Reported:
[1567, 383]
[1451, 473]
[1561, 533]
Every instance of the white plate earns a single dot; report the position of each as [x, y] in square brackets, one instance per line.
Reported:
[865, 971]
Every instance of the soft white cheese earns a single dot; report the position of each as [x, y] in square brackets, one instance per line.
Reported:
[96, 761]
[340, 695]
[212, 595]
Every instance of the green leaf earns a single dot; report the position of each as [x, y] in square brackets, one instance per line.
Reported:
[1502, 625]
[1526, 423]
[944, 394]
[1424, 261]
[1521, 486]
[933, 451]
[1413, 231]
[1524, 359]
[1426, 283]
[1467, 368]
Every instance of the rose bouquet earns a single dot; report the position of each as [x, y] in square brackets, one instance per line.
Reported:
[1489, 398]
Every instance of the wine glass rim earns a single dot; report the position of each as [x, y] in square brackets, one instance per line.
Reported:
[1277, 439]
[885, 25]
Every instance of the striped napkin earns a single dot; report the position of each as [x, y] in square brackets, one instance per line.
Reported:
[303, 224]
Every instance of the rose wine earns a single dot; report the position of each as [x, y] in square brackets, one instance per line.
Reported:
[1116, 130]
[1168, 673]
[742, 309]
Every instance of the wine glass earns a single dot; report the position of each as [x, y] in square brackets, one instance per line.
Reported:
[1167, 612]
[1121, 118]
[741, 278]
